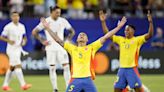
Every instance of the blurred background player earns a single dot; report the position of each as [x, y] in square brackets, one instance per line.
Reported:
[14, 34]
[129, 51]
[54, 52]
[82, 55]
[158, 40]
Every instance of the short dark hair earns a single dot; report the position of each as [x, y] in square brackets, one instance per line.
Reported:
[54, 8]
[14, 12]
[133, 27]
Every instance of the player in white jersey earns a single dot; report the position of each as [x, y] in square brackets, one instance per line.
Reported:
[55, 53]
[14, 34]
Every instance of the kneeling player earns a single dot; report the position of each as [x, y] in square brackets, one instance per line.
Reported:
[82, 55]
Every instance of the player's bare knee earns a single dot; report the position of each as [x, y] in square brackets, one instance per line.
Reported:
[12, 68]
[66, 64]
[136, 86]
[52, 68]
[52, 65]
[139, 89]
[117, 90]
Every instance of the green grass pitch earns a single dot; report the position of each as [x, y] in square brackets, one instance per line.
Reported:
[104, 83]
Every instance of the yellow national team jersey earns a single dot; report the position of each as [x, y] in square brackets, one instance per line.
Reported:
[129, 50]
[81, 58]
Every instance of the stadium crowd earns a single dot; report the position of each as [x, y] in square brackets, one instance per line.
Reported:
[82, 9]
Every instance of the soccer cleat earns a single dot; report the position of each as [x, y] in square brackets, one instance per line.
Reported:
[6, 88]
[26, 86]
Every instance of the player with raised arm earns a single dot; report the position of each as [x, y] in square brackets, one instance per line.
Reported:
[129, 51]
[82, 55]
[14, 34]
[54, 52]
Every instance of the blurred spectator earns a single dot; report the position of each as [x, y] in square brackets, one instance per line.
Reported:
[48, 4]
[158, 40]
[82, 9]
[159, 3]
[128, 7]
[1, 13]
[91, 8]
[76, 10]
[138, 8]
[63, 4]
[39, 8]
[16, 5]
[149, 4]
[121, 6]
[104, 4]
[4, 8]
[159, 8]
[28, 8]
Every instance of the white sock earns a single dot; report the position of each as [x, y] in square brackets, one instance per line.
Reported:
[67, 74]
[145, 88]
[53, 76]
[19, 74]
[8, 77]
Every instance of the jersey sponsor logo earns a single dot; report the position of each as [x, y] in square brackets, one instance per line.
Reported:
[132, 42]
[144, 63]
[80, 55]
[86, 48]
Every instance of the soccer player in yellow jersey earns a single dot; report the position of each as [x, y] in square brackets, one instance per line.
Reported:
[129, 51]
[82, 55]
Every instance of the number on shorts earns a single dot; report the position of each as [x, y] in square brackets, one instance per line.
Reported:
[71, 88]
[117, 78]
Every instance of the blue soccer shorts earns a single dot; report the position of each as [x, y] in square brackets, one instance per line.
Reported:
[79, 84]
[128, 76]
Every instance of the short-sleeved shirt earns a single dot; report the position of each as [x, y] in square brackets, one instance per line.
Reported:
[57, 26]
[81, 58]
[15, 33]
[158, 39]
[129, 50]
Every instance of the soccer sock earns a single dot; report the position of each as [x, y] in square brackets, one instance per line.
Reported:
[144, 88]
[7, 78]
[19, 74]
[53, 76]
[67, 74]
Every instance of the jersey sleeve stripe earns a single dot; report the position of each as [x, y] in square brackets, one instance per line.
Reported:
[136, 71]
[92, 66]
[136, 57]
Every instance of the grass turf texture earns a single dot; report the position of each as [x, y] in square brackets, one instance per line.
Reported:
[104, 83]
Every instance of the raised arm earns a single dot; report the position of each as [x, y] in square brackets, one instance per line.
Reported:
[71, 34]
[53, 35]
[151, 28]
[114, 31]
[102, 17]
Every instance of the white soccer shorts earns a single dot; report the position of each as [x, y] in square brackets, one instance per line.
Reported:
[57, 57]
